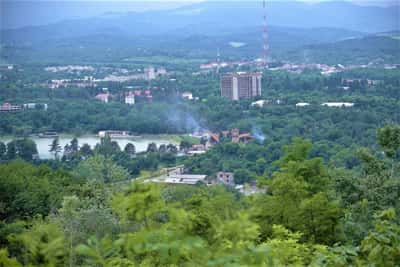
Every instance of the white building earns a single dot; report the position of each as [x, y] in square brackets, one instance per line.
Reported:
[161, 71]
[337, 104]
[248, 190]
[130, 99]
[260, 103]
[189, 179]
[150, 73]
[35, 105]
[302, 104]
[187, 95]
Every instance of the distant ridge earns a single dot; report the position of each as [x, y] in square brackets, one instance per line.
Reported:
[210, 17]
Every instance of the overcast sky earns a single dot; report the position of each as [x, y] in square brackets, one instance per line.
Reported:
[18, 13]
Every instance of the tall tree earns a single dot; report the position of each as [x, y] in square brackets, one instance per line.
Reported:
[85, 150]
[3, 150]
[107, 147]
[152, 148]
[102, 169]
[55, 147]
[74, 145]
[130, 149]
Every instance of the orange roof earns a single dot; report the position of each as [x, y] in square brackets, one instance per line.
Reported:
[215, 136]
[245, 135]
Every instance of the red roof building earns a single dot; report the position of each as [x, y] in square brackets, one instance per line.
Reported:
[103, 97]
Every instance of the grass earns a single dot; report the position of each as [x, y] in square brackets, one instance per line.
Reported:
[149, 174]
[177, 139]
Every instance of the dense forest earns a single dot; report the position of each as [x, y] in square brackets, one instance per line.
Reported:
[310, 214]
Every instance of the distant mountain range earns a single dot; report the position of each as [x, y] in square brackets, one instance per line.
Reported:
[198, 30]
[214, 18]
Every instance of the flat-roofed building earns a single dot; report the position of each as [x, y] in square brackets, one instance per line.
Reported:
[239, 85]
[189, 179]
[338, 104]
[302, 104]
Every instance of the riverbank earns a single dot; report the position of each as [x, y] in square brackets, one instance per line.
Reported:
[140, 143]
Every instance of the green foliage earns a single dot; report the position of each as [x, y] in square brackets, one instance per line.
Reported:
[381, 246]
[6, 261]
[42, 245]
[140, 203]
[284, 248]
[28, 190]
[389, 139]
[102, 169]
[20, 148]
[101, 252]
[299, 197]
[107, 147]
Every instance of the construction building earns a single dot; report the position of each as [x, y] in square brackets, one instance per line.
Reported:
[240, 85]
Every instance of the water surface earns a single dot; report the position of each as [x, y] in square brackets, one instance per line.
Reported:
[141, 143]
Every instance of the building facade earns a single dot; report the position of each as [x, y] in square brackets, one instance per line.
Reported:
[240, 85]
[130, 99]
[226, 178]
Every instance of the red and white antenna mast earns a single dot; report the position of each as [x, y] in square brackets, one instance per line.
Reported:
[218, 60]
[265, 38]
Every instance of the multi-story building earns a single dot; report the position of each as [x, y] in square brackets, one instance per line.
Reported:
[239, 85]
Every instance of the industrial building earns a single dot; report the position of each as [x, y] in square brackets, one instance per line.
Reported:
[241, 85]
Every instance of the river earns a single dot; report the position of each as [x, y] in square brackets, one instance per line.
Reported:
[43, 144]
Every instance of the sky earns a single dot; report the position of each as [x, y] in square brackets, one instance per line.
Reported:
[19, 13]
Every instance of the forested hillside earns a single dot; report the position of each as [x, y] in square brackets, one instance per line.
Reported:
[311, 214]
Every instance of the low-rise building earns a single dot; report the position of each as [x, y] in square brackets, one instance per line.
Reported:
[249, 189]
[42, 106]
[188, 179]
[260, 103]
[112, 133]
[161, 71]
[187, 95]
[245, 138]
[196, 149]
[337, 104]
[6, 67]
[226, 178]
[302, 104]
[105, 98]
[234, 135]
[7, 107]
[130, 98]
